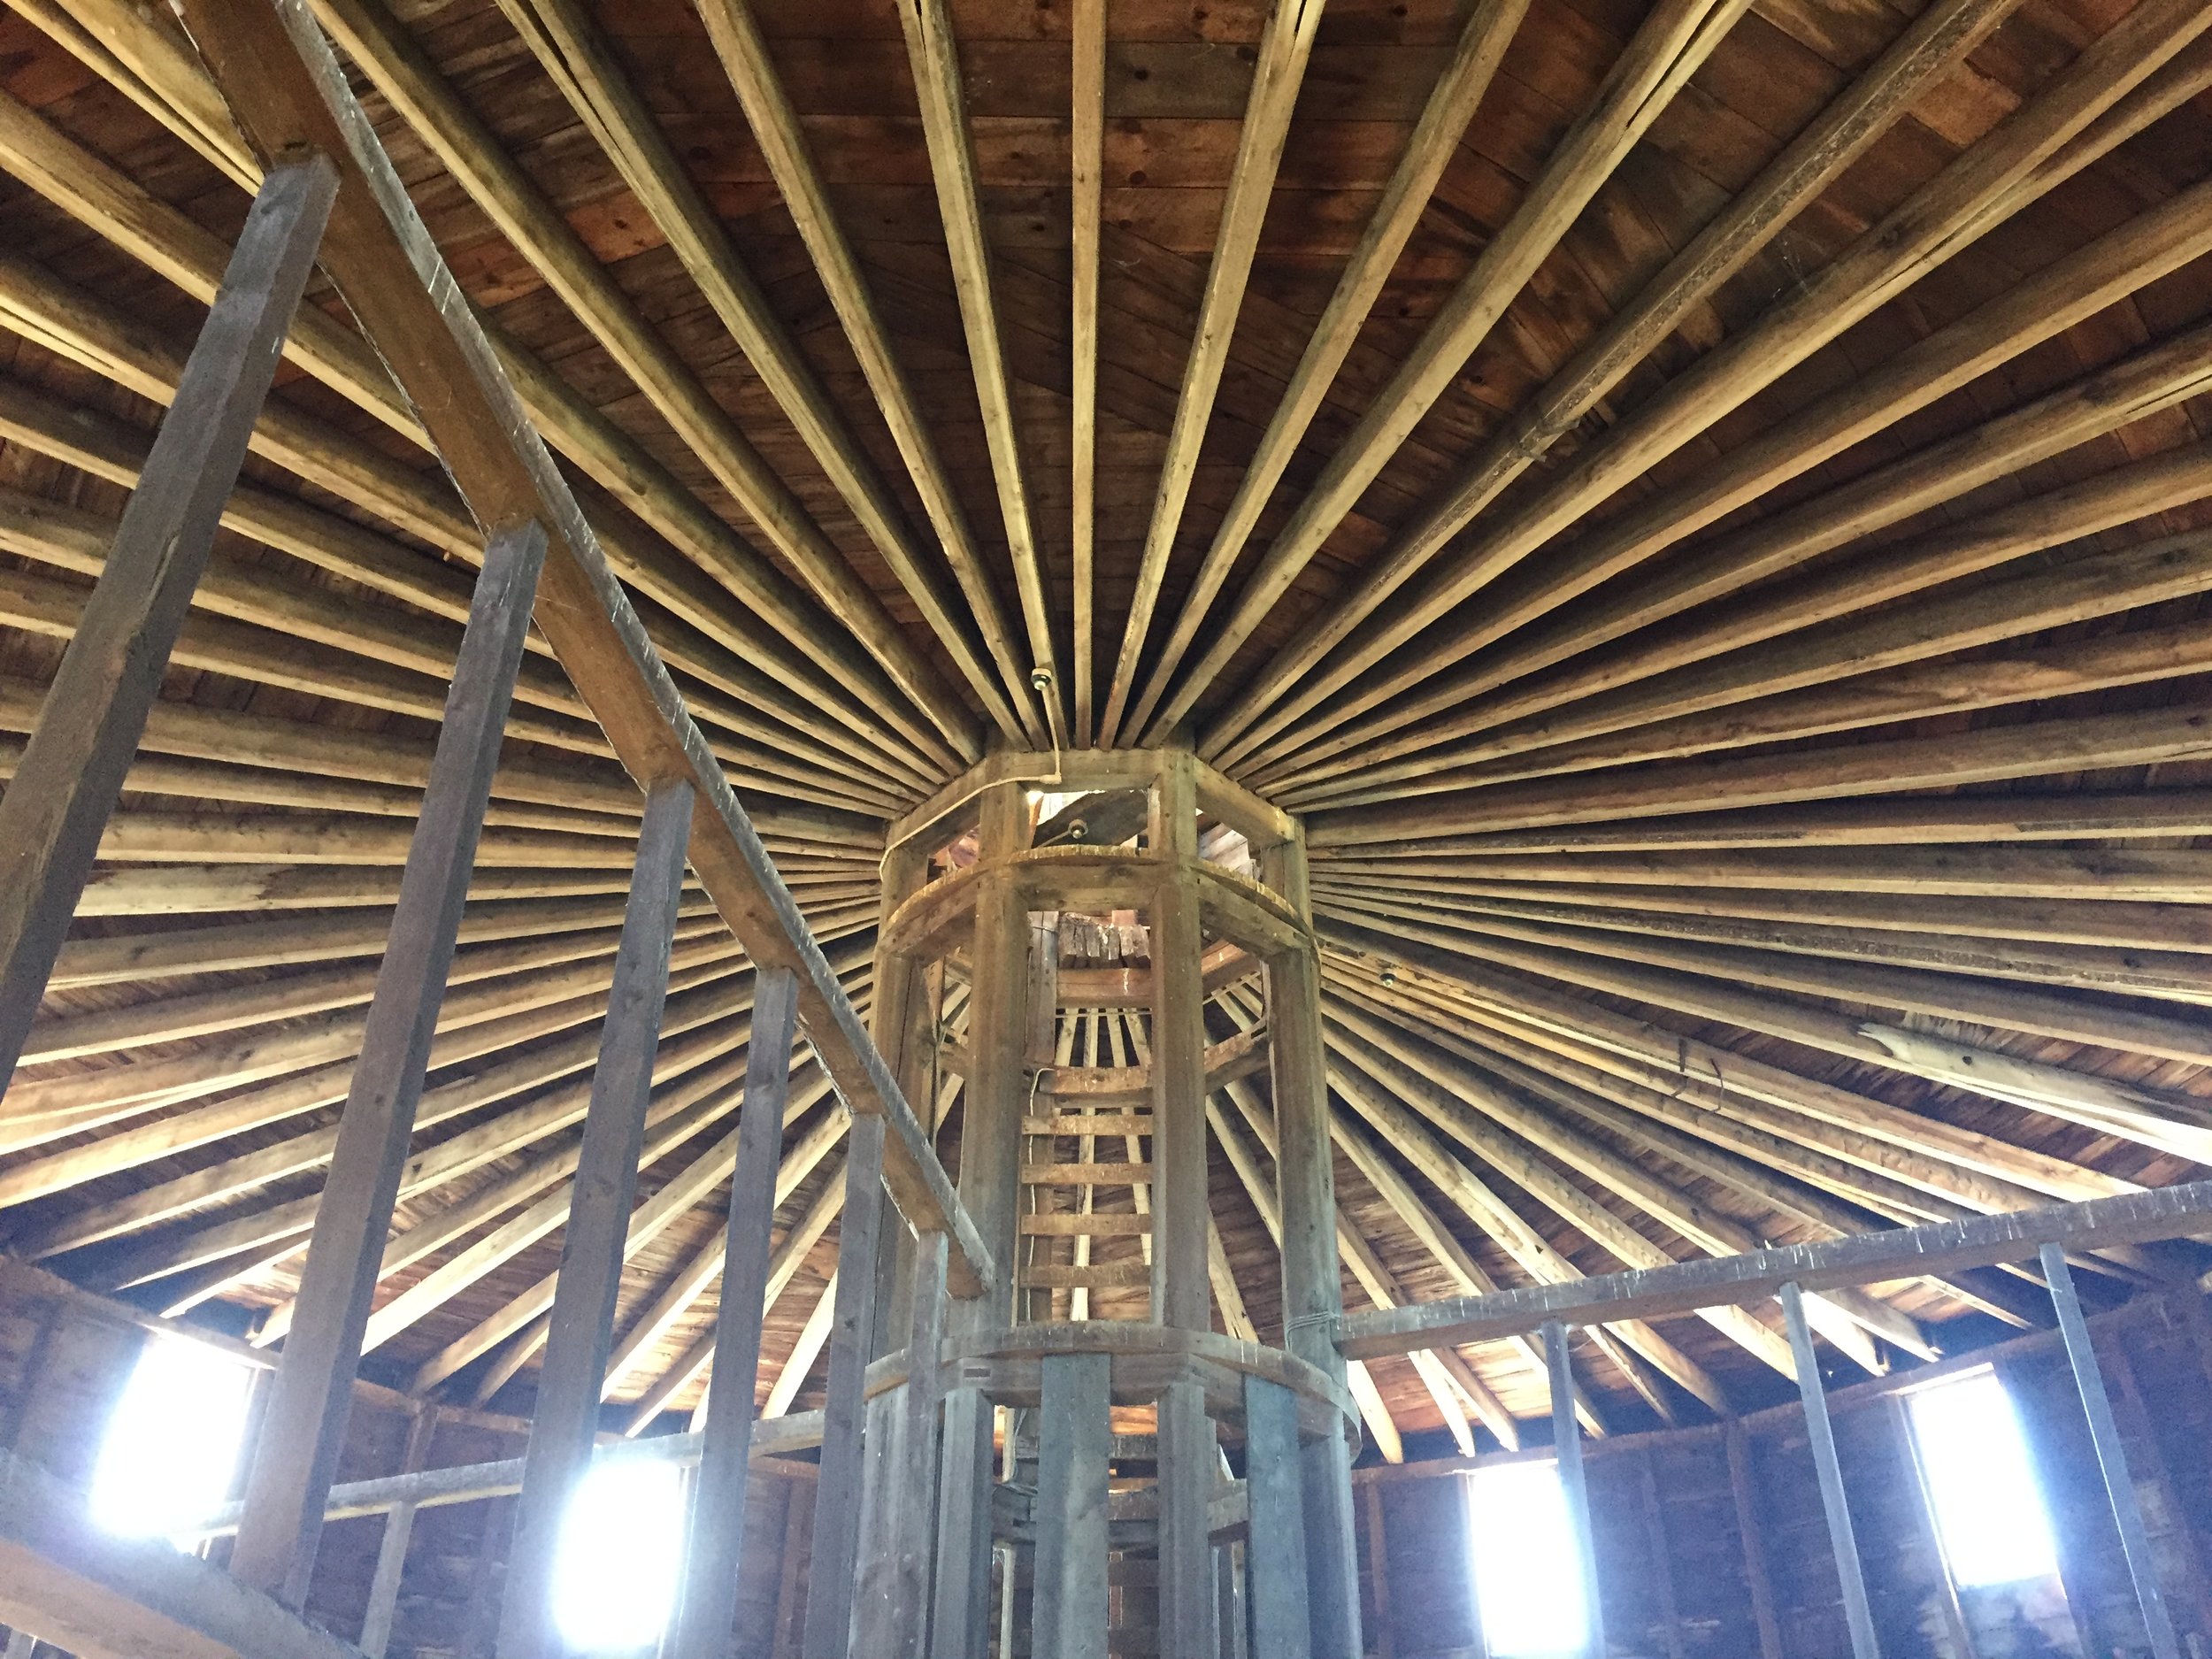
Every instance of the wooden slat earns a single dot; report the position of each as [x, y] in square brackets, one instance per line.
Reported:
[1097, 1276]
[1085, 1174]
[1090, 1223]
[1093, 1123]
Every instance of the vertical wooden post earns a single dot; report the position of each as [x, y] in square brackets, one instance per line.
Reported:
[72, 772]
[297, 1455]
[1379, 1572]
[581, 1324]
[391, 1549]
[913, 1529]
[1566, 1436]
[1736, 1444]
[1189, 1453]
[837, 1503]
[990, 1171]
[1281, 1620]
[1182, 1290]
[2104, 1433]
[1075, 1443]
[1841, 1539]
[718, 1504]
[1662, 1556]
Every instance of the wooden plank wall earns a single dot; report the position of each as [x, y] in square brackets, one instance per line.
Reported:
[1669, 1536]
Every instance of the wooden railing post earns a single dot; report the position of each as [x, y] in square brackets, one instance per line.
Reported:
[565, 1421]
[297, 1455]
[72, 772]
[1858, 1613]
[717, 1508]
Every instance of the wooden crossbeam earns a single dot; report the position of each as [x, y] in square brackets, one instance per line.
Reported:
[2169, 1212]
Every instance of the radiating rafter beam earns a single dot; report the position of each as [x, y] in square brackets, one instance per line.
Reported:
[1435, 140]
[775, 125]
[1285, 45]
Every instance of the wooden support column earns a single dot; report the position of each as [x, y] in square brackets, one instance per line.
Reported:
[990, 1159]
[1189, 1453]
[1313, 1291]
[2104, 1433]
[1180, 1287]
[582, 1330]
[837, 1503]
[1750, 1528]
[1857, 1611]
[71, 773]
[1075, 1443]
[718, 1506]
[1566, 1436]
[913, 1529]
[297, 1454]
[391, 1549]
[1281, 1621]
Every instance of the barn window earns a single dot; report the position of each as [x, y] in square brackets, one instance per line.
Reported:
[172, 1445]
[621, 1552]
[1528, 1577]
[1981, 1484]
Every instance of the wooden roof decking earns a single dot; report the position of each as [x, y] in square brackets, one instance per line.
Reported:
[1821, 677]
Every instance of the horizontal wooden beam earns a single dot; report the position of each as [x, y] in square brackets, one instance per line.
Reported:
[1939, 1247]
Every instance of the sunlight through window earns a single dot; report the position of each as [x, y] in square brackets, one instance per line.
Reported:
[1528, 1580]
[621, 1547]
[172, 1443]
[1981, 1484]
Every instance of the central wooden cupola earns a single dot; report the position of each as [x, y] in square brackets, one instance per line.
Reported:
[1113, 1429]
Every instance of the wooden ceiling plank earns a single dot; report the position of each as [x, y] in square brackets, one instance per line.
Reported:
[1837, 137]
[775, 125]
[2135, 388]
[1931, 226]
[2175, 976]
[1285, 45]
[575, 54]
[2025, 749]
[2165, 1120]
[166, 241]
[935, 57]
[1967, 1165]
[696, 630]
[1672, 41]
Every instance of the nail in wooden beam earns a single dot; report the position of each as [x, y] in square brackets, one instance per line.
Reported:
[1075, 1441]
[837, 1501]
[717, 1511]
[71, 775]
[1857, 1612]
[1281, 1618]
[297, 1455]
[566, 1419]
[1566, 1435]
[391, 1549]
[2112, 1462]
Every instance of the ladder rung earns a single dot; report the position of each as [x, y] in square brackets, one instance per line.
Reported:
[1098, 1276]
[1094, 1225]
[1086, 1174]
[1096, 1124]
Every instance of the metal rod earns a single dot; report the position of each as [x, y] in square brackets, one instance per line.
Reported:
[1860, 1615]
[1567, 1445]
[2119, 1486]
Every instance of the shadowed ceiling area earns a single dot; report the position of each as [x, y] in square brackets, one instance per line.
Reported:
[1702, 508]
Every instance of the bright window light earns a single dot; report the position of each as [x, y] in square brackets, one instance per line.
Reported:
[621, 1549]
[1980, 1483]
[171, 1446]
[1528, 1576]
